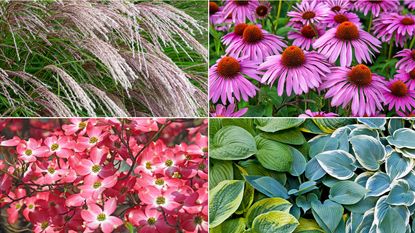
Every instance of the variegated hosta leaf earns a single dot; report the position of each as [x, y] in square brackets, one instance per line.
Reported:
[304, 202]
[368, 151]
[373, 123]
[367, 222]
[274, 222]
[378, 184]
[322, 143]
[308, 226]
[337, 163]
[402, 138]
[305, 187]
[236, 225]
[347, 192]
[266, 205]
[398, 166]
[268, 186]
[299, 162]
[362, 178]
[328, 215]
[313, 170]
[401, 194]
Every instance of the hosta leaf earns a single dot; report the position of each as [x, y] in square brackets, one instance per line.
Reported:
[277, 124]
[368, 151]
[395, 124]
[308, 226]
[224, 200]
[291, 136]
[322, 143]
[313, 170]
[254, 168]
[266, 205]
[342, 136]
[364, 131]
[304, 202]
[410, 178]
[363, 205]
[310, 127]
[401, 194]
[245, 123]
[382, 208]
[268, 186]
[402, 138]
[409, 153]
[274, 222]
[304, 188]
[219, 171]
[328, 215]
[353, 222]
[378, 184]
[347, 192]
[398, 166]
[247, 200]
[236, 225]
[274, 155]
[299, 162]
[366, 223]
[373, 123]
[337, 163]
[362, 178]
[232, 143]
[393, 222]
[329, 125]
[214, 126]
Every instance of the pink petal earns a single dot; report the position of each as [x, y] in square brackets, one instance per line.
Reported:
[110, 206]
[88, 216]
[84, 167]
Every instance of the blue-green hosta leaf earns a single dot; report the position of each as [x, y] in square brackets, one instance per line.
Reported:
[219, 171]
[401, 194]
[362, 178]
[373, 123]
[254, 168]
[232, 143]
[236, 225]
[224, 200]
[402, 138]
[366, 222]
[353, 222]
[322, 143]
[274, 222]
[268, 186]
[347, 192]
[395, 124]
[409, 153]
[266, 205]
[410, 178]
[304, 188]
[304, 202]
[328, 215]
[308, 226]
[364, 131]
[398, 166]
[295, 211]
[378, 184]
[342, 136]
[299, 162]
[363, 205]
[274, 155]
[277, 124]
[368, 151]
[329, 181]
[382, 208]
[392, 222]
[313, 170]
[337, 163]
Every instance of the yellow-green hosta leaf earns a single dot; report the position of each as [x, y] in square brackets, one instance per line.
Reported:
[236, 225]
[232, 143]
[267, 205]
[329, 125]
[274, 155]
[219, 171]
[291, 136]
[308, 226]
[274, 222]
[224, 200]
[247, 200]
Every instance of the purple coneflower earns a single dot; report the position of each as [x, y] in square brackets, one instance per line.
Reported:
[215, 15]
[406, 114]
[410, 3]
[236, 35]
[375, 6]
[399, 96]
[407, 61]
[295, 69]
[407, 77]
[309, 113]
[356, 85]
[308, 12]
[392, 26]
[227, 79]
[256, 43]
[305, 36]
[338, 5]
[263, 10]
[223, 111]
[335, 18]
[344, 41]
[240, 10]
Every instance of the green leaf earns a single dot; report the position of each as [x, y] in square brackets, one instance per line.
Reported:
[313, 170]
[278, 124]
[299, 163]
[268, 186]
[232, 143]
[402, 138]
[291, 136]
[398, 166]
[305, 187]
[215, 124]
[308, 226]
[310, 127]
[328, 125]
[328, 215]
[322, 143]
[245, 123]
[337, 163]
[373, 123]
[247, 200]
[224, 200]
[274, 222]
[236, 225]
[347, 192]
[255, 111]
[395, 124]
[369, 151]
[378, 184]
[266, 205]
[274, 155]
[401, 194]
[393, 222]
[219, 171]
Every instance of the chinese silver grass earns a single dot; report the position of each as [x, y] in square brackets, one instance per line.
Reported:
[111, 105]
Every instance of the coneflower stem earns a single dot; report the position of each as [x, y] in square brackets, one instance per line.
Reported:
[370, 22]
[412, 43]
[390, 48]
[278, 14]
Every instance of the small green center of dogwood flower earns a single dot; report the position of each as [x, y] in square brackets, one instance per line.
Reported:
[97, 184]
[82, 125]
[101, 217]
[54, 147]
[30, 206]
[177, 175]
[18, 206]
[148, 165]
[160, 200]
[151, 221]
[96, 168]
[198, 220]
[93, 140]
[169, 162]
[44, 225]
[51, 170]
[159, 181]
[28, 152]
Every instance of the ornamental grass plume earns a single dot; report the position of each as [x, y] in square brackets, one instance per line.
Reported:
[99, 58]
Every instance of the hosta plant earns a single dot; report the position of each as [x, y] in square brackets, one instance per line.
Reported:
[312, 175]
[102, 58]
[103, 175]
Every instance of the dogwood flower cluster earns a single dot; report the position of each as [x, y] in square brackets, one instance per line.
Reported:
[89, 175]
